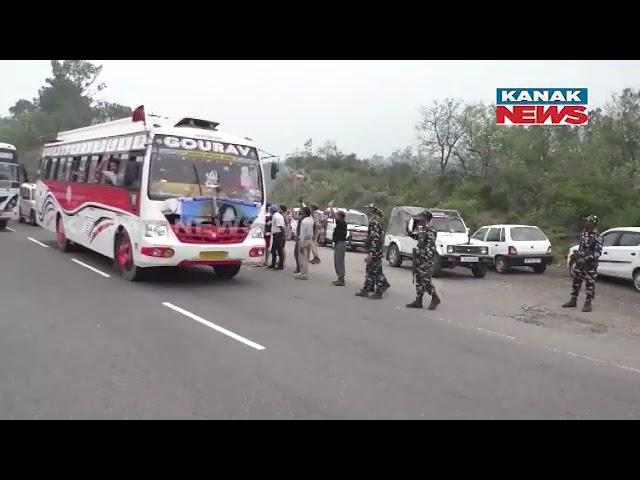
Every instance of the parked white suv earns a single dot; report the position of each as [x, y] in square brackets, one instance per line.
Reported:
[452, 245]
[620, 254]
[515, 245]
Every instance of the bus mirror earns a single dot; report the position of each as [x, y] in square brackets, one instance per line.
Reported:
[274, 170]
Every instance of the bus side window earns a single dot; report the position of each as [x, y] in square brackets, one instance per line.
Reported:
[62, 169]
[54, 169]
[82, 169]
[45, 165]
[75, 163]
[67, 172]
[133, 172]
[93, 173]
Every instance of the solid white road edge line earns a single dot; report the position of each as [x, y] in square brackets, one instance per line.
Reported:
[39, 243]
[214, 326]
[10, 229]
[90, 268]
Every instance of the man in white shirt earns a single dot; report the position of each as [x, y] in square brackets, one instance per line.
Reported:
[304, 243]
[277, 238]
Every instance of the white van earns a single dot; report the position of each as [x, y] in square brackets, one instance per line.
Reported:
[27, 203]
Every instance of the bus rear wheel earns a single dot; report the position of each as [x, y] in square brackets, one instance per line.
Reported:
[226, 271]
[123, 258]
[3, 224]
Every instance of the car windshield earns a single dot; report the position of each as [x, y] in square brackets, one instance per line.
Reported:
[356, 219]
[519, 234]
[181, 172]
[448, 225]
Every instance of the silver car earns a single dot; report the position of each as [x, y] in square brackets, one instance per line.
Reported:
[27, 203]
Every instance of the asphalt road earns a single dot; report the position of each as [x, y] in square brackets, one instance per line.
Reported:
[75, 343]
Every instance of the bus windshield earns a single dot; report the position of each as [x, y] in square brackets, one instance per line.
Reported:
[9, 171]
[177, 172]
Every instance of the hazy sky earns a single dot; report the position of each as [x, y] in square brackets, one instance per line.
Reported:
[367, 107]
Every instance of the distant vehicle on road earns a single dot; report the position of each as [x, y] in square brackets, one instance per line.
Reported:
[357, 228]
[27, 203]
[620, 254]
[151, 192]
[515, 245]
[452, 246]
[11, 176]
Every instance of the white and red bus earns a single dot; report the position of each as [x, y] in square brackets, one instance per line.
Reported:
[151, 192]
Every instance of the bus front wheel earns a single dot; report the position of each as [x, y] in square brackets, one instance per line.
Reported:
[123, 258]
[61, 237]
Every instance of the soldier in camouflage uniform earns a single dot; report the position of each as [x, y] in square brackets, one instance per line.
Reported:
[586, 263]
[424, 257]
[375, 281]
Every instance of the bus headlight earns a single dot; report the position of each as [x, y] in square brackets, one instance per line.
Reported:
[256, 231]
[156, 229]
[449, 248]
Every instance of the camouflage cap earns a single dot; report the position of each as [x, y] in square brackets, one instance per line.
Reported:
[591, 219]
[375, 210]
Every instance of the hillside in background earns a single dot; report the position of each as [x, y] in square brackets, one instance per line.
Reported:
[550, 176]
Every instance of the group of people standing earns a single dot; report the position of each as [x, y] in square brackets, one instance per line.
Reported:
[278, 229]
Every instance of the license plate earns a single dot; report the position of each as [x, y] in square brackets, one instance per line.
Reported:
[469, 259]
[213, 255]
[532, 260]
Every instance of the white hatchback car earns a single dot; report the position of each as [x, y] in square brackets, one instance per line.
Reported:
[515, 245]
[620, 254]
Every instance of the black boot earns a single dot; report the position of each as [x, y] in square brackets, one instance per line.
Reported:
[339, 282]
[435, 301]
[377, 295]
[362, 293]
[384, 288]
[573, 302]
[587, 306]
[417, 303]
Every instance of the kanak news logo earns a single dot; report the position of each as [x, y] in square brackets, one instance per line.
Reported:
[541, 106]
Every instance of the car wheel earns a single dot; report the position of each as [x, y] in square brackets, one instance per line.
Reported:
[226, 272]
[123, 258]
[20, 218]
[480, 270]
[636, 279]
[32, 218]
[501, 265]
[540, 268]
[3, 224]
[394, 257]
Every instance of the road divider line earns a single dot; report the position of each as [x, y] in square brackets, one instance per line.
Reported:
[586, 357]
[10, 229]
[626, 368]
[214, 326]
[82, 264]
[490, 332]
[36, 241]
